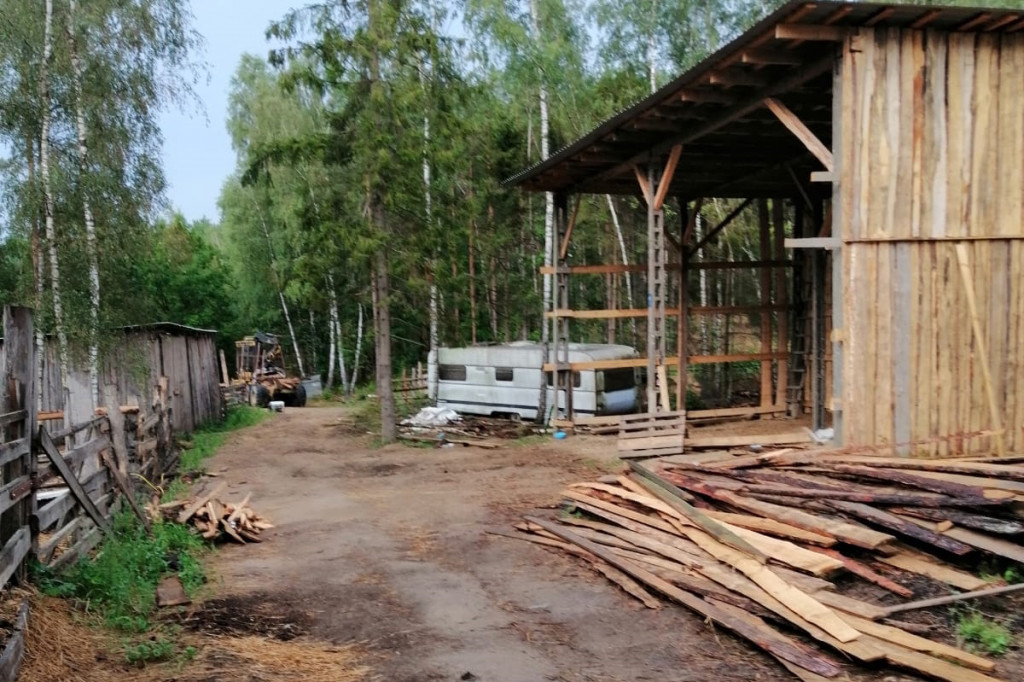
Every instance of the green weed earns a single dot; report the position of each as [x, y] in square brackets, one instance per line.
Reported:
[985, 634]
[119, 582]
[207, 439]
[154, 649]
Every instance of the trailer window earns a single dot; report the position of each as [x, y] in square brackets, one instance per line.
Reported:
[576, 379]
[452, 372]
[503, 374]
[619, 379]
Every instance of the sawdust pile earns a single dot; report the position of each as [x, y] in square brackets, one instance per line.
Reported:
[60, 648]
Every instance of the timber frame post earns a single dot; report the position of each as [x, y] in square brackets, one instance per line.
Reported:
[563, 381]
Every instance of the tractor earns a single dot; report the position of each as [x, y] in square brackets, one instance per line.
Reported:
[259, 364]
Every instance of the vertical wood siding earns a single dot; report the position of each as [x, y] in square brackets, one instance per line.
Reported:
[932, 138]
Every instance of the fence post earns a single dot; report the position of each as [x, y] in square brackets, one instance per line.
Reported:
[19, 392]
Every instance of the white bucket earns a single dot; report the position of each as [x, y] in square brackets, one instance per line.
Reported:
[277, 405]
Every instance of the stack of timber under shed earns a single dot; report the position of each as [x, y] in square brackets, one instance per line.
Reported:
[759, 544]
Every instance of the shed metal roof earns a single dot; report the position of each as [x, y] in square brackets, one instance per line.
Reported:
[732, 145]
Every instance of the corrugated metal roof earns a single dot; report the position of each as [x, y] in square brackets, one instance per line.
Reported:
[700, 108]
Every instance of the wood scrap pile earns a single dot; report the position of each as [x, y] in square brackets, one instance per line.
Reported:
[217, 520]
[759, 544]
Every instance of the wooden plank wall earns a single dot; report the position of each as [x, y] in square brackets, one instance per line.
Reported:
[932, 145]
[131, 370]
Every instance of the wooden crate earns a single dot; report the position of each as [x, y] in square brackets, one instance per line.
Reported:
[651, 434]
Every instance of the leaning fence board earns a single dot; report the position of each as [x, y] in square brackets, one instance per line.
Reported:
[13, 552]
[14, 647]
[76, 488]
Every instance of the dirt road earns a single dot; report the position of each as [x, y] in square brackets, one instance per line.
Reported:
[387, 547]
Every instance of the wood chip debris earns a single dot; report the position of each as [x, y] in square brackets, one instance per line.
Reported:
[217, 520]
[755, 544]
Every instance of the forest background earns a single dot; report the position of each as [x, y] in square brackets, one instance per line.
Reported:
[366, 221]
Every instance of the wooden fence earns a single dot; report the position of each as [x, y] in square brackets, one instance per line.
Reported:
[17, 465]
[60, 486]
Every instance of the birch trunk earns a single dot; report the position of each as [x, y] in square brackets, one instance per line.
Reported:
[48, 201]
[625, 259]
[359, 352]
[332, 330]
[280, 290]
[91, 248]
[428, 216]
[549, 216]
[37, 270]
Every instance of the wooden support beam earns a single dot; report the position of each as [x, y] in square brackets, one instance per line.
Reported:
[802, 132]
[880, 15]
[795, 79]
[764, 244]
[799, 186]
[564, 249]
[733, 78]
[1001, 22]
[641, 267]
[645, 187]
[828, 243]
[625, 363]
[617, 313]
[811, 32]
[982, 355]
[823, 176]
[977, 21]
[703, 97]
[720, 226]
[666, 177]
[926, 18]
[691, 222]
[1015, 27]
[765, 56]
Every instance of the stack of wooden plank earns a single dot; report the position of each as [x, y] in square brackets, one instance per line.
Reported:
[759, 545]
[217, 520]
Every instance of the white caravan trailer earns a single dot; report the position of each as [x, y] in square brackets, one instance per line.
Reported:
[505, 380]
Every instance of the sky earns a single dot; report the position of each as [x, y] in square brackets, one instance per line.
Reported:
[197, 148]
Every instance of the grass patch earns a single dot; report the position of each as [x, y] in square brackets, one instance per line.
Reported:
[119, 583]
[984, 634]
[207, 439]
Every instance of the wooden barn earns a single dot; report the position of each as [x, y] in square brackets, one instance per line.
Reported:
[137, 358]
[882, 147]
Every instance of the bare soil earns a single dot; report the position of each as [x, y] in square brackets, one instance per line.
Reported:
[387, 548]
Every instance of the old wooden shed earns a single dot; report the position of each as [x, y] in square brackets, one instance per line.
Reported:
[137, 360]
[883, 146]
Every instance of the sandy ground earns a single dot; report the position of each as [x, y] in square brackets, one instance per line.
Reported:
[387, 548]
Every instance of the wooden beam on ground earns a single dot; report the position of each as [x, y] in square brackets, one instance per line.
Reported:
[187, 513]
[767, 639]
[953, 598]
[69, 477]
[792, 438]
[802, 132]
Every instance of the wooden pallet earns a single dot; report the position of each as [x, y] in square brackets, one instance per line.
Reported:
[651, 434]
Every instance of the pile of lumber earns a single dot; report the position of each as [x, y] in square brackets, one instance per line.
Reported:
[761, 544]
[217, 520]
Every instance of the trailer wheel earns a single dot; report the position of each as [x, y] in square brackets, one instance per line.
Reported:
[262, 396]
[299, 399]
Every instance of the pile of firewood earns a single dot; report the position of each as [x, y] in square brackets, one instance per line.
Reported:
[756, 544]
[217, 520]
